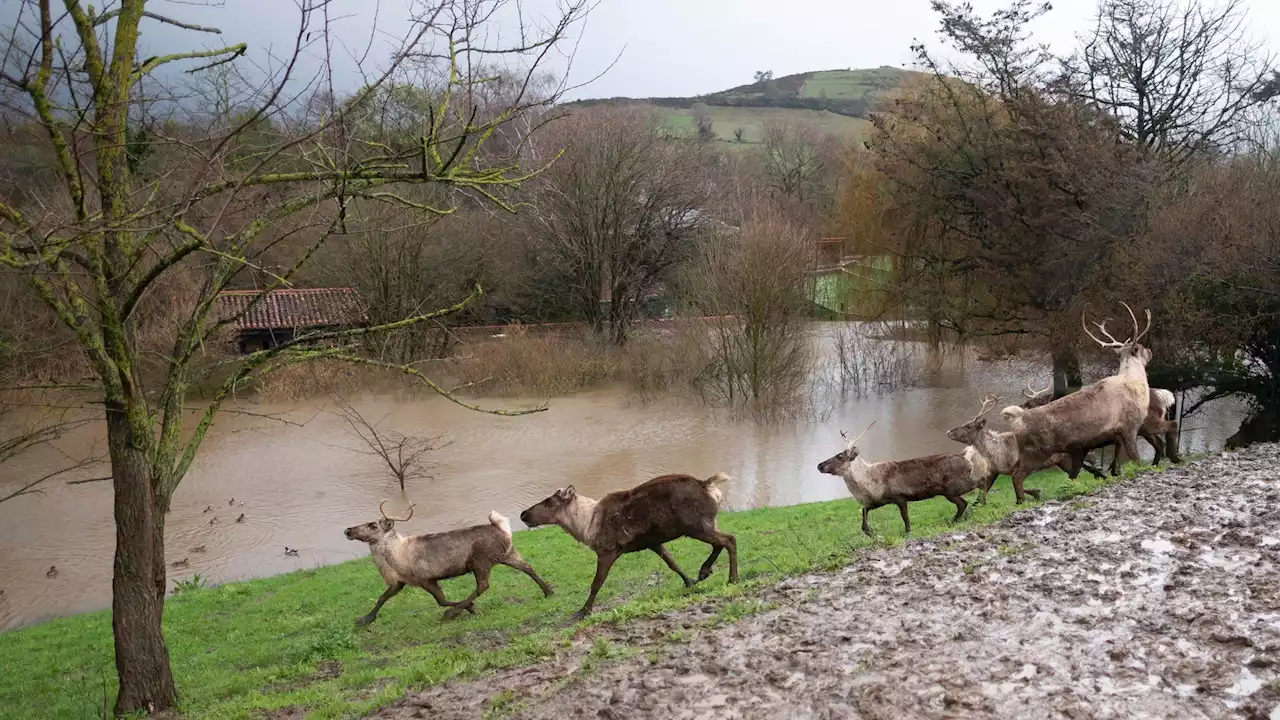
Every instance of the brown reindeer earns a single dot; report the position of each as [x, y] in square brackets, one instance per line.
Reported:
[898, 482]
[1158, 429]
[1111, 410]
[642, 518]
[992, 453]
[427, 558]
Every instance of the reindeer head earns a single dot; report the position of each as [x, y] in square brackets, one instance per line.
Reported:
[968, 432]
[838, 464]
[1129, 350]
[551, 510]
[375, 531]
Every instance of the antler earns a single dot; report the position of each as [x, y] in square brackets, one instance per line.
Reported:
[855, 440]
[383, 504]
[1103, 327]
[1138, 335]
[988, 403]
[1031, 393]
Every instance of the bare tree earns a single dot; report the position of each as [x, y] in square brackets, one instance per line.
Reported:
[800, 163]
[754, 283]
[40, 428]
[619, 210]
[702, 119]
[404, 455]
[1179, 75]
[243, 196]
[1004, 197]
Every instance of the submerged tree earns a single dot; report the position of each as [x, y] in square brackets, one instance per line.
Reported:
[247, 193]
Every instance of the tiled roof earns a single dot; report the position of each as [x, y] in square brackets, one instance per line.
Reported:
[292, 308]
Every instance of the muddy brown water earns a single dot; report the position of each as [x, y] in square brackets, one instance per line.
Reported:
[298, 485]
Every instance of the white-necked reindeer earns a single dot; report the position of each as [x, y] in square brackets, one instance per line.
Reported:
[992, 452]
[1111, 410]
[898, 482]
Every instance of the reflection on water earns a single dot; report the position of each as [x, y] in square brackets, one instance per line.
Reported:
[298, 487]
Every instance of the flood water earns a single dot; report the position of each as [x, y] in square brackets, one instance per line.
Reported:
[298, 485]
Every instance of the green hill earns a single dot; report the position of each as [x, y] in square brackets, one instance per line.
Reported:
[837, 101]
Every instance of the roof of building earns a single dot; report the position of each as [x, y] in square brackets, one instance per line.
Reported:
[292, 308]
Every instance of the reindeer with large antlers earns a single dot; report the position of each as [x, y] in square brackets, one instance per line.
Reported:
[1111, 410]
[425, 559]
[992, 453]
[898, 482]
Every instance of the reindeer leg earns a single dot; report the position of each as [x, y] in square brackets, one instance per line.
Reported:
[1018, 476]
[661, 550]
[1154, 440]
[1172, 442]
[866, 529]
[515, 561]
[482, 583]
[718, 541]
[1130, 442]
[960, 504]
[389, 593]
[604, 561]
[433, 588]
[986, 487]
[906, 519]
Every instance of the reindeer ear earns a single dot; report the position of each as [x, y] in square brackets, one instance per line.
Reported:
[982, 422]
[569, 492]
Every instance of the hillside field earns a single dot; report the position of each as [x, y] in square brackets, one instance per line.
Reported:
[836, 101]
[754, 119]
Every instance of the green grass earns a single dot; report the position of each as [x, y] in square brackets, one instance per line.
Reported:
[869, 84]
[753, 120]
[243, 649]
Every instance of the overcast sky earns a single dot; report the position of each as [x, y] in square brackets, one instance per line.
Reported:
[671, 47]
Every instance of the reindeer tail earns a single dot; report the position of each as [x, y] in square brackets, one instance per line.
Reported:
[1013, 413]
[713, 483]
[500, 522]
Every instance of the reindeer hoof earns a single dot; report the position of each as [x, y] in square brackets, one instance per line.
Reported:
[702, 575]
[453, 612]
[579, 616]
[361, 622]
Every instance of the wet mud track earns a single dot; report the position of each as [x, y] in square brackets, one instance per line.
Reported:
[1154, 598]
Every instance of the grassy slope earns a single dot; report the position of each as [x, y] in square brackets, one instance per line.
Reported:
[244, 648]
[753, 120]
[866, 84]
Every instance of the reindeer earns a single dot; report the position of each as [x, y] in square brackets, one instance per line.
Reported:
[1158, 429]
[897, 482]
[993, 453]
[642, 518]
[425, 559]
[1110, 411]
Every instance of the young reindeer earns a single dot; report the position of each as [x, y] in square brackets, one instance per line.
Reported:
[427, 558]
[898, 482]
[642, 518]
[993, 453]
[1111, 410]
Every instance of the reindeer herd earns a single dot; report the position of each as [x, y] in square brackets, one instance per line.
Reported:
[1044, 432]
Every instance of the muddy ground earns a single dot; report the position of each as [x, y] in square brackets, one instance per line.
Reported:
[1155, 598]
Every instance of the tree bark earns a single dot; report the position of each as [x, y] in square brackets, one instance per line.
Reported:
[1066, 372]
[138, 583]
